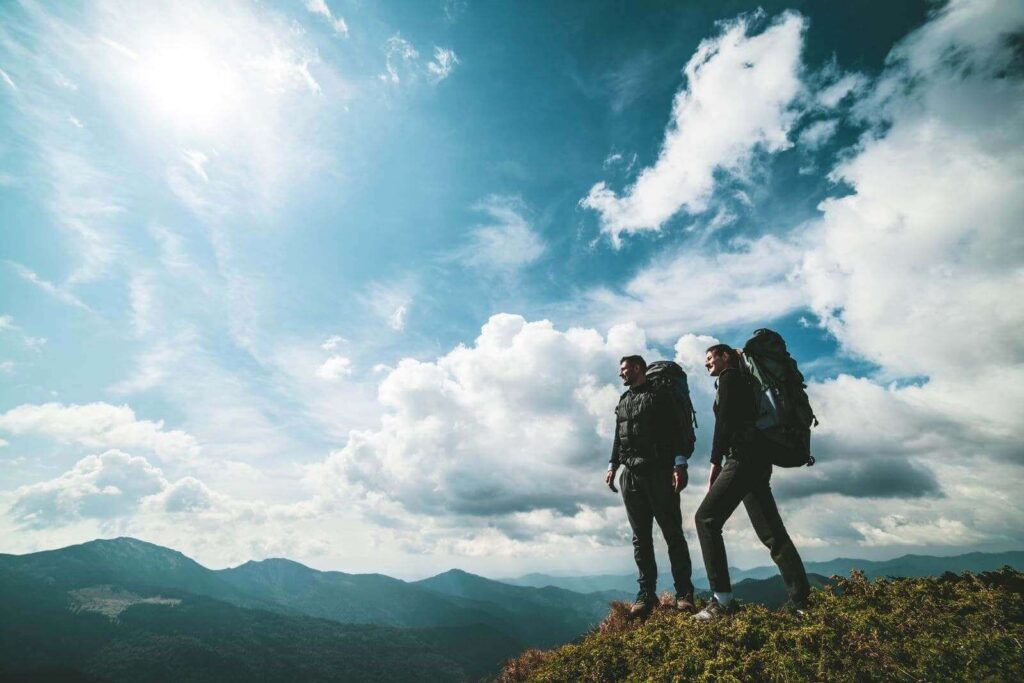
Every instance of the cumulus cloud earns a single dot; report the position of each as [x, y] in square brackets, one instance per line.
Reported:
[739, 90]
[334, 368]
[508, 241]
[908, 268]
[513, 425]
[103, 486]
[98, 425]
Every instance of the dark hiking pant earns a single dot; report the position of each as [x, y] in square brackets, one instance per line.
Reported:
[649, 497]
[747, 480]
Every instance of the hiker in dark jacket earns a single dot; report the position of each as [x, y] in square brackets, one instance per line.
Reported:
[649, 443]
[744, 478]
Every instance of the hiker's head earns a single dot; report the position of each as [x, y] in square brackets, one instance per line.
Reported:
[632, 369]
[719, 357]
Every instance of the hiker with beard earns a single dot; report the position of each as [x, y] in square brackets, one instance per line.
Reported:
[651, 447]
[745, 478]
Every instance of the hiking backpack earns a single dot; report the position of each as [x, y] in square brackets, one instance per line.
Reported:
[784, 414]
[664, 375]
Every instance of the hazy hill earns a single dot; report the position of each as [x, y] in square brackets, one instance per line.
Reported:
[125, 562]
[355, 598]
[114, 635]
[907, 565]
[460, 623]
[963, 628]
[553, 615]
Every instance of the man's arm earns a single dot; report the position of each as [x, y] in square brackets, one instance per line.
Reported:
[671, 438]
[725, 420]
[613, 464]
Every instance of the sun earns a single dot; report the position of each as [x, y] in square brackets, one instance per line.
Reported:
[187, 83]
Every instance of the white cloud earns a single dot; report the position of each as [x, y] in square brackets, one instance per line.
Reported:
[7, 79]
[737, 100]
[60, 293]
[506, 243]
[848, 84]
[898, 530]
[319, 7]
[515, 424]
[99, 425]
[691, 350]
[444, 61]
[332, 342]
[817, 134]
[918, 268]
[108, 485]
[6, 366]
[391, 301]
[754, 281]
[399, 54]
[197, 162]
[334, 368]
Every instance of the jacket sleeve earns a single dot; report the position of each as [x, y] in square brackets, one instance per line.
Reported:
[726, 420]
[615, 462]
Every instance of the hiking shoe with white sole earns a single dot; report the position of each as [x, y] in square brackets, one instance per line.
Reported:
[715, 610]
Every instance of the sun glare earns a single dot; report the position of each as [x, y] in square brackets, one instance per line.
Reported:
[187, 84]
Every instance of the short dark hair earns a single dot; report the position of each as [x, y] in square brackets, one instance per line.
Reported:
[634, 360]
[725, 350]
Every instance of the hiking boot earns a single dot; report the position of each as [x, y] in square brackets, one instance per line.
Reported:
[684, 603]
[643, 606]
[715, 610]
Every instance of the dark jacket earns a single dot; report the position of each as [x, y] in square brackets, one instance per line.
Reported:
[735, 413]
[647, 433]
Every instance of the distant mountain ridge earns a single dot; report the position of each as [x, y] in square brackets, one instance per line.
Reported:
[904, 566]
[117, 600]
[125, 610]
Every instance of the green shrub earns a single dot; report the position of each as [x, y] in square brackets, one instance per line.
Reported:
[949, 628]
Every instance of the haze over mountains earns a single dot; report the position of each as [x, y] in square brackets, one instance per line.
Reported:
[906, 565]
[127, 610]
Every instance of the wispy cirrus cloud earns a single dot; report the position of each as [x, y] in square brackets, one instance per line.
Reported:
[62, 294]
[445, 60]
[402, 61]
[320, 8]
[507, 242]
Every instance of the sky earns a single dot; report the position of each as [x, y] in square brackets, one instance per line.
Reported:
[348, 282]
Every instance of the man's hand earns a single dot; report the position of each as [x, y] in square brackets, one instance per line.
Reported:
[609, 480]
[680, 478]
[715, 471]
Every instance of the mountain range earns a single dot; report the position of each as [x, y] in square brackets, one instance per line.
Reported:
[904, 566]
[127, 610]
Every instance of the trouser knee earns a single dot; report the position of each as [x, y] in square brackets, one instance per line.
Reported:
[707, 522]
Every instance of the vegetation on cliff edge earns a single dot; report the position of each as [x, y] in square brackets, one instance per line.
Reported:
[949, 628]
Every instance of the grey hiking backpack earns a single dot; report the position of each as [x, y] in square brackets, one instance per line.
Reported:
[784, 414]
[665, 375]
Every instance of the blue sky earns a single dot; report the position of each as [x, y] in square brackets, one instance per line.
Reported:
[348, 282]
